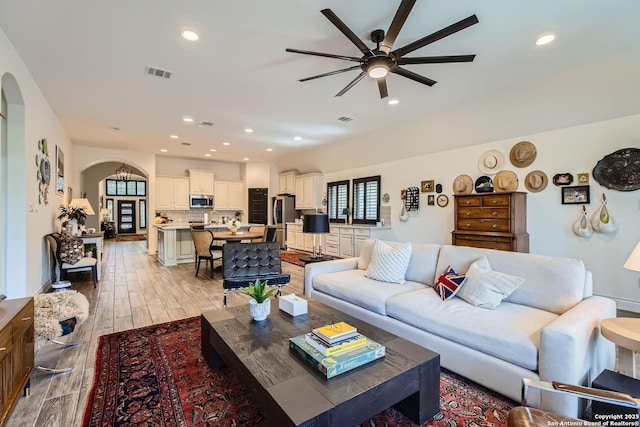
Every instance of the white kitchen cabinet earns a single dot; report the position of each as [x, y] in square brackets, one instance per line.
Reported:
[200, 182]
[309, 191]
[346, 242]
[287, 182]
[332, 243]
[228, 195]
[291, 237]
[172, 193]
[185, 250]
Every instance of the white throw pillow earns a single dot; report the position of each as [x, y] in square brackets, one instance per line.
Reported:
[486, 288]
[389, 264]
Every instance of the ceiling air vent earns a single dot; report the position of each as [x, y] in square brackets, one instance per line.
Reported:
[153, 71]
[185, 143]
[345, 119]
[205, 124]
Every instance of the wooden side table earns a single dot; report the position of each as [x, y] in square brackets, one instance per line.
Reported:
[625, 333]
[307, 259]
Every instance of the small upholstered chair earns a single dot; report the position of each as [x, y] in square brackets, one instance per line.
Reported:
[203, 242]
[260, 228]
[270, 233]
[243, 263]
[60, 268]
[523, 416]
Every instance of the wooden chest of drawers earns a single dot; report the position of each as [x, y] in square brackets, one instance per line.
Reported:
[492, 220]
[16, 351]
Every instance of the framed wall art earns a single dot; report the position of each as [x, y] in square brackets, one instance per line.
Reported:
[431, 200]
[582, 178]
[576, 195]
[427, 186]
[59, 171]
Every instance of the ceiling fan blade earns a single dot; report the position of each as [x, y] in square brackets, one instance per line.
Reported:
[326, 55]
[352, 84]
[331, 73]
[451, 29]
[396, 25]
[382, 87]
[413, 76]
[346, 31]
[436, 59]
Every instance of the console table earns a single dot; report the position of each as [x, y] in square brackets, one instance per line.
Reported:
[97, 239]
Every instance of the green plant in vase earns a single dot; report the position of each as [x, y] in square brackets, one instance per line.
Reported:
[75, 216]
[260, 304]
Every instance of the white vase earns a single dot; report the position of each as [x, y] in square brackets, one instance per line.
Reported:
[259, 311]
[72, 227]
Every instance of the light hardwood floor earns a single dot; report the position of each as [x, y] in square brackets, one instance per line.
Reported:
[135, 291]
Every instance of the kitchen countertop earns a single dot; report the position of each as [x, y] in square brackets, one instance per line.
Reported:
[186, 226]
[337, 225]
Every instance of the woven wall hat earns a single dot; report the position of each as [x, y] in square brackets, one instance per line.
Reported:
[463, 184]
[536, 181]
[491, 162]
[523, 154]
[505, 180]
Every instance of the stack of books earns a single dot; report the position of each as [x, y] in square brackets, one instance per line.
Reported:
[336, 348]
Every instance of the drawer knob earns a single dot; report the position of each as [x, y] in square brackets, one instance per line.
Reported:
[26, 318]
[3, 348]
[468, 225]
[495, 225]
[468, 202]
[494, 213]
[494, 201]
[468, 213]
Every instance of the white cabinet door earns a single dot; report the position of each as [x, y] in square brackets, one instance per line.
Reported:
[181, 193]
[346, 246]
[287, 182]
[300, 204]
[184, 245]
[236, 195]
[221, 195]
[291, 238]
[164, 193]
[308, 192]
[299, 240]
[200, 182]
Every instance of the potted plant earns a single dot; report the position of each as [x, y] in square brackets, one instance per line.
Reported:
[260, 304]
[234, 226]
[75, 216]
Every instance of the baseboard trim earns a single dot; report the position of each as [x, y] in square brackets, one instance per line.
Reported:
[628, 305]
[46, 287]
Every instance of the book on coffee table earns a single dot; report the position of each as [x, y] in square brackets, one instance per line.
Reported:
[340, 363]
[334, 332]
[340, 346]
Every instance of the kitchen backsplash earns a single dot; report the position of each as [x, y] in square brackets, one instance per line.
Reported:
[193, 215]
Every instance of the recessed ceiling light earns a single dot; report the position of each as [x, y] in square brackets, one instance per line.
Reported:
[545, 38]
[213, 150]
[297, 138]
[164, 150]
[173, 136]
[190, 35]
[226, 143]
[393, 101]
[269, 149]
[245, 159]
[188, 119]
[248, 130]
[207, 155]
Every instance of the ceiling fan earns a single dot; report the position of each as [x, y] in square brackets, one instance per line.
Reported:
[378, 62]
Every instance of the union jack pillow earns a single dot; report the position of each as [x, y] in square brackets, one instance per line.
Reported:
[448, 284]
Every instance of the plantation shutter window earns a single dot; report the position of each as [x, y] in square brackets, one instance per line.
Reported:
[366, 200]
[337, 200]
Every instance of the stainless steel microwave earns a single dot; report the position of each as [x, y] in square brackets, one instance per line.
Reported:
[200, 201]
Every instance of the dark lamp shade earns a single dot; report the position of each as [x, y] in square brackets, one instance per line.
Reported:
[315, 223]
[346, 211]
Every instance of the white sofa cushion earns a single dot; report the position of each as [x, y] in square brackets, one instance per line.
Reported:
[354, 287]
[389, 264]
[422, 265]
[486, 288]
[511, 332]
[550, 283]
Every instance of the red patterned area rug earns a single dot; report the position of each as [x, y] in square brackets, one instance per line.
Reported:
[292, 257]
[157, 376]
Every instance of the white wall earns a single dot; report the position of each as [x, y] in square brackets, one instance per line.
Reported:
[222, 171]
[25, 266]
[574, 150]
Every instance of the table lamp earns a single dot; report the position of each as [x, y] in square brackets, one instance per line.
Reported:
[346, 212]
[633, 262]
[106, 213]
[316, 223]
[84, 204]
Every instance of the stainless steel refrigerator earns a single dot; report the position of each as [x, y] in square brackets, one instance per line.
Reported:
[284, 210]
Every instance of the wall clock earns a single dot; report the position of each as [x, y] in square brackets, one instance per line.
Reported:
[442, 200]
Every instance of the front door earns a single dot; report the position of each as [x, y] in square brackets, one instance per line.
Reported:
[126, 216]
[258, 205]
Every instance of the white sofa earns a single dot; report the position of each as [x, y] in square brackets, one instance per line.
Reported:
[547, 329]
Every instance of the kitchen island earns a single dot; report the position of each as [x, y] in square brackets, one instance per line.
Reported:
[175, 245]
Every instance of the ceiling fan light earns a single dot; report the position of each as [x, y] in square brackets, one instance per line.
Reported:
[378, 71]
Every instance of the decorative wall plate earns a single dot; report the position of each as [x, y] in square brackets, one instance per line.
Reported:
[562, 179]
[619, 170]
[385, 197]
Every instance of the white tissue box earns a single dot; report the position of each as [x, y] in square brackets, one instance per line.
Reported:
[292, 304]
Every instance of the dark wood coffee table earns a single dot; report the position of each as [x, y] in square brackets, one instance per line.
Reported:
[291, 393]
